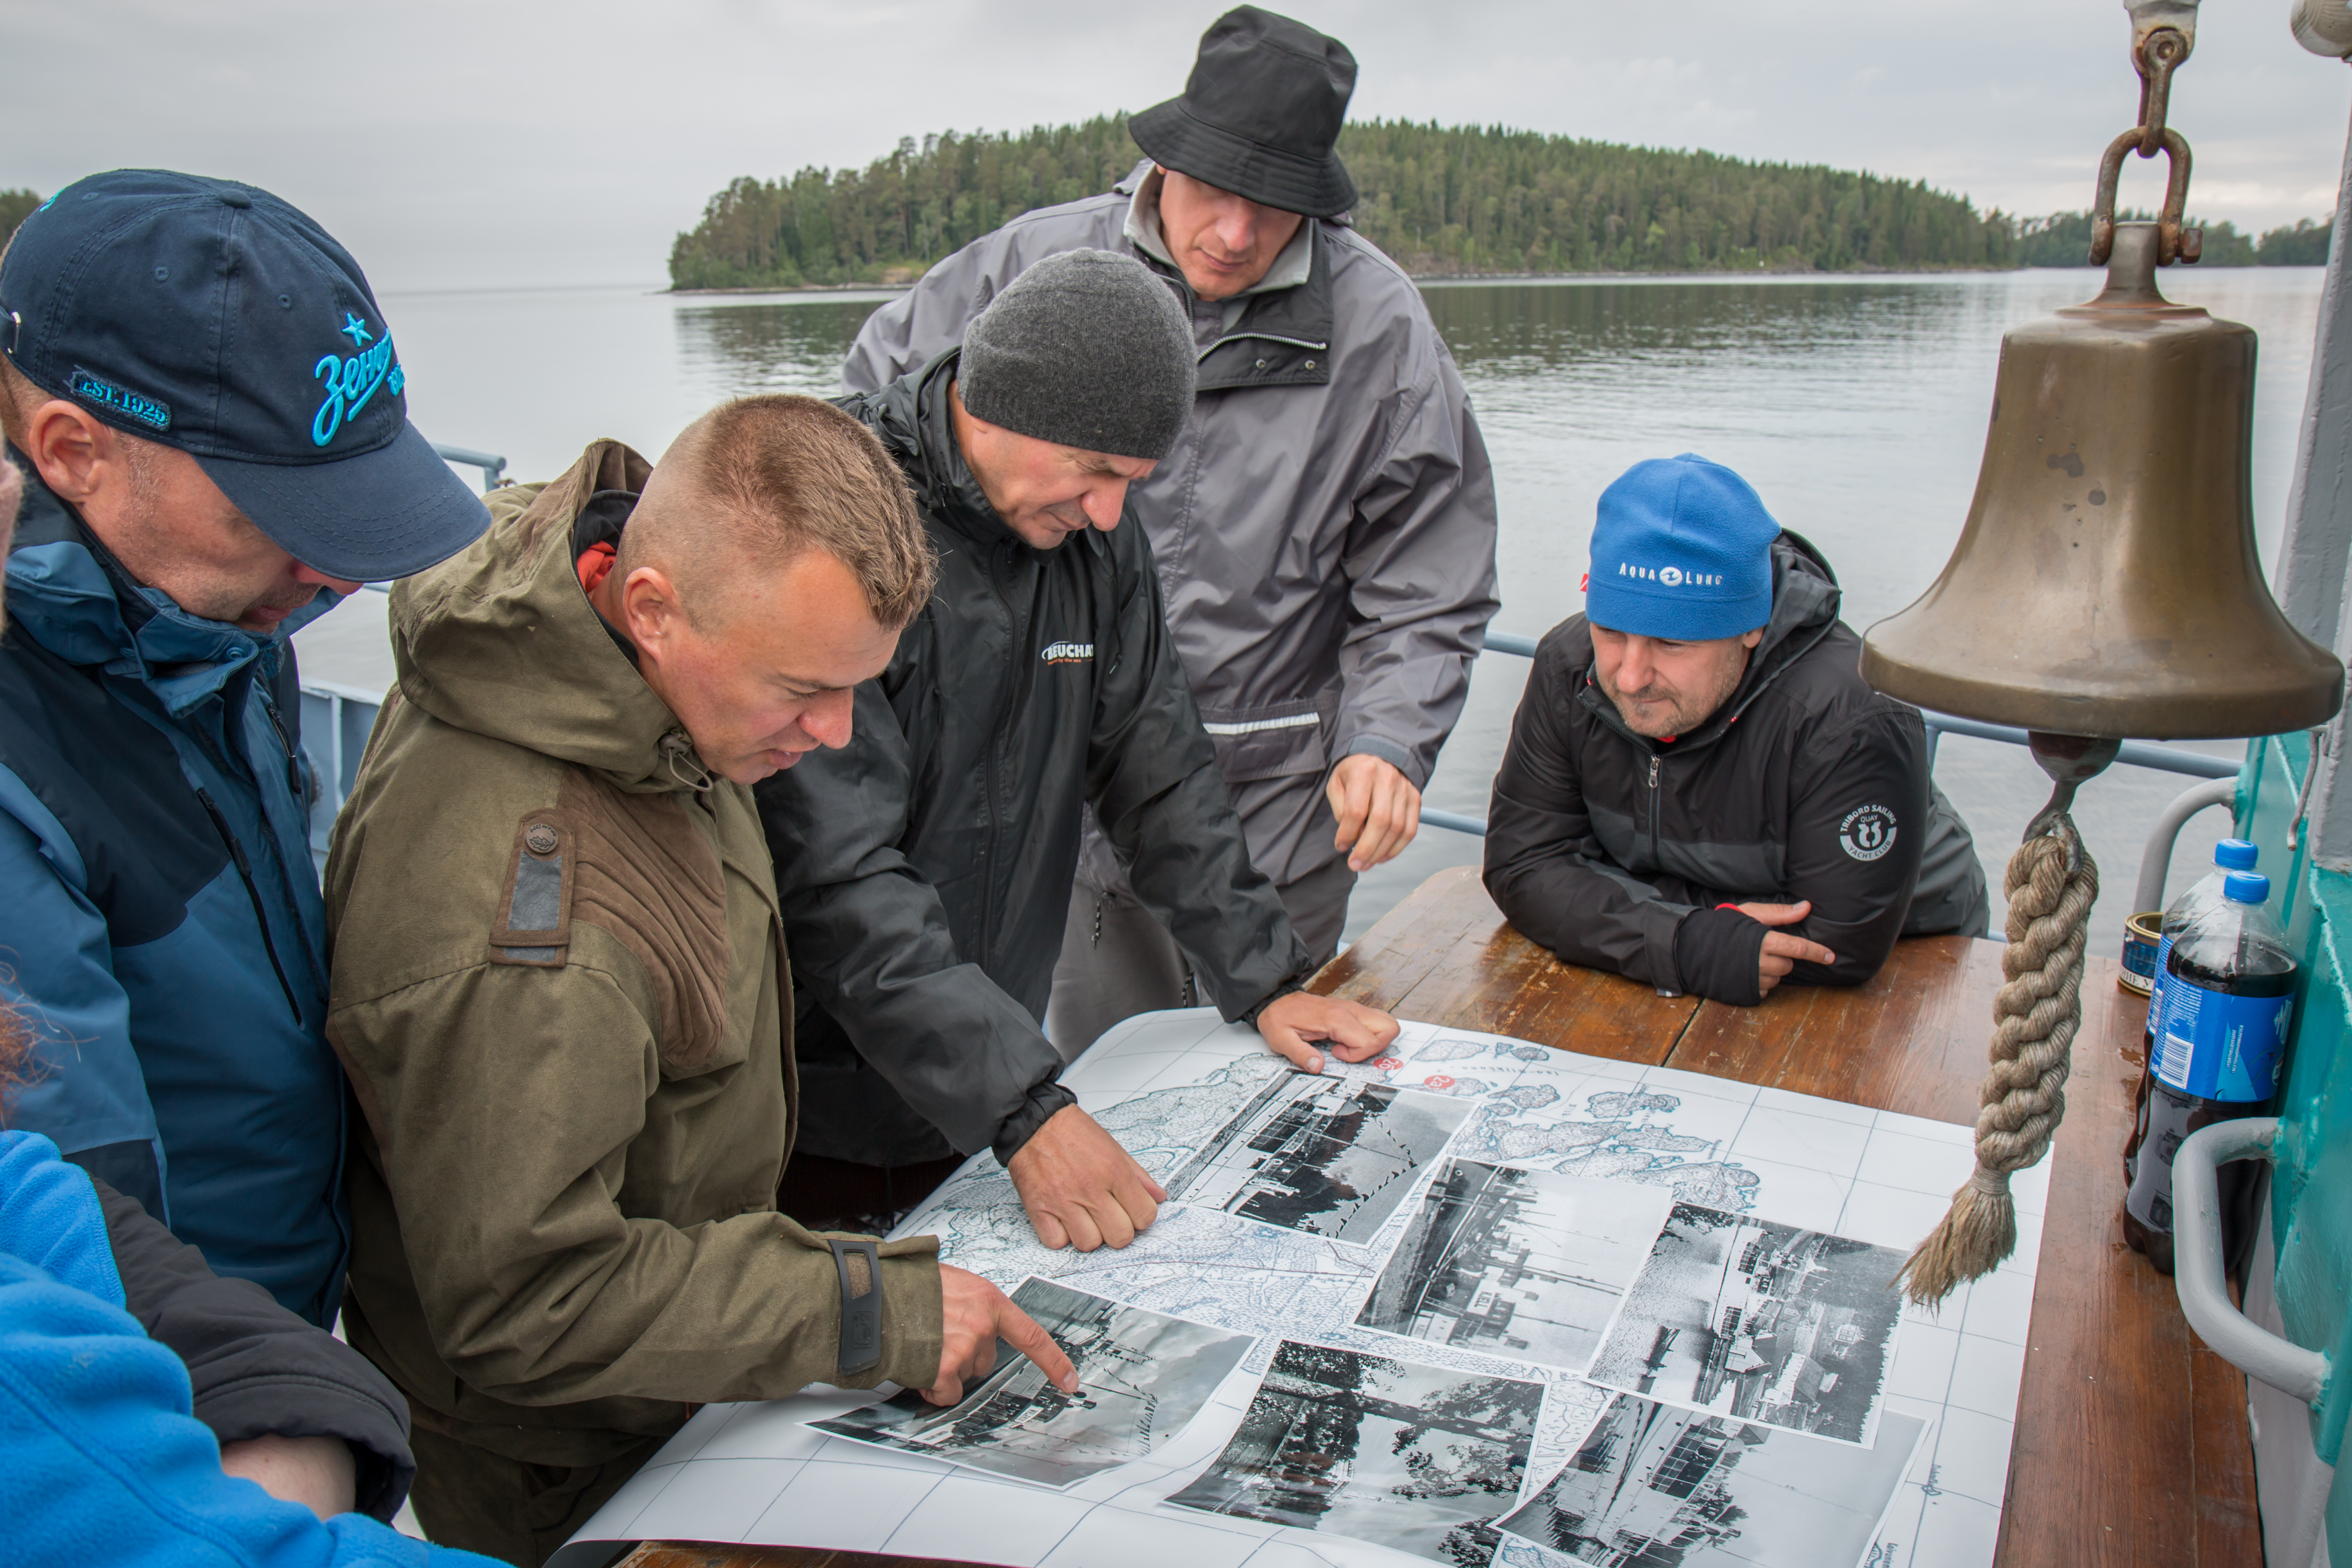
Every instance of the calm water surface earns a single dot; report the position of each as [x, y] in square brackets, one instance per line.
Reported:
[1857, 406]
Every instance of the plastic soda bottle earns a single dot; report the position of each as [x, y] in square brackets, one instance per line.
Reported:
[2229, 854]
[2229, 996]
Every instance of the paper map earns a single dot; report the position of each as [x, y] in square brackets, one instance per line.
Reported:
[1791, 1168]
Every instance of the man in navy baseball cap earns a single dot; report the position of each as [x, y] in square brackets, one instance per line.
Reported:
[1700, 791]
[206, 410]
[212, 319]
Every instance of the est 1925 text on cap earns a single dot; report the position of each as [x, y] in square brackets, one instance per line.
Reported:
[213, 317]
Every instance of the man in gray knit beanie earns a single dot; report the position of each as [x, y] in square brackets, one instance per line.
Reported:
[1086, 350]
[924, 871]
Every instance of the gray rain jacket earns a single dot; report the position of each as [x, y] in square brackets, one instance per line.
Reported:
[1614, 851]
[925, 868]
[1324, 529]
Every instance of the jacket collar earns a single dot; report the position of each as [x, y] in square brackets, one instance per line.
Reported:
[1805, 597]
[66, 592]
[912, 417]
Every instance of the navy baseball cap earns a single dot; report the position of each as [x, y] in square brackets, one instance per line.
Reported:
[213, 317]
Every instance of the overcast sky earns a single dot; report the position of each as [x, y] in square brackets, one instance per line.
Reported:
[495, 144]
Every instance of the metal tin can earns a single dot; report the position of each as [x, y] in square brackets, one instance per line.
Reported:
[2141, 933]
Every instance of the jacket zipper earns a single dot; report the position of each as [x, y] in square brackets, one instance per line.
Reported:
[997, 560]
[1655, 761]
[293, 767]
[261, 918]
[1261, 337]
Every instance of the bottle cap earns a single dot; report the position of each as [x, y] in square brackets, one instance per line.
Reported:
[2246, 888]
[2234, 855]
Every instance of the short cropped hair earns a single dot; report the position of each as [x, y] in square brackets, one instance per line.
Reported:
[18, 395]
[788, 474]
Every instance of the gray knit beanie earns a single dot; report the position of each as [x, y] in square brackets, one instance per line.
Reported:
[1085, 348]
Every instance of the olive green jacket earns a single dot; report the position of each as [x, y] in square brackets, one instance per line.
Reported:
[557, 978]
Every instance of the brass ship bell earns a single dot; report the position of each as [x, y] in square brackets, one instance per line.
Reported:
[2105, 583]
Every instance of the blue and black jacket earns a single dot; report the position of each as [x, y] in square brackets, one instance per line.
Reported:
[160, 915]
[105, 1459]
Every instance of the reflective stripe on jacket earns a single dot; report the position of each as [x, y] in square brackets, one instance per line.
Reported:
[1804, 784]
[164, 923]
[1325, 526]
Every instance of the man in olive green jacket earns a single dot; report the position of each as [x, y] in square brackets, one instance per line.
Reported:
[558, 974]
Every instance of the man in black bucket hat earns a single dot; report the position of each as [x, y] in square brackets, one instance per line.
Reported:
[1260, 115]
[1325, 524]
[208, 414]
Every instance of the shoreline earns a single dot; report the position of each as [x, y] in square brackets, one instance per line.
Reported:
[1423, 277]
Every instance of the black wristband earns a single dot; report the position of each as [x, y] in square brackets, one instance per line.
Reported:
[860, 1268]
[1715, 951]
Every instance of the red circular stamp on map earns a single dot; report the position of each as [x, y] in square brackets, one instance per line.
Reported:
[1388, 1063]
[1437, 1080]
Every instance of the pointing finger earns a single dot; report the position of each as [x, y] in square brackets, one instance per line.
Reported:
[1020, 1331]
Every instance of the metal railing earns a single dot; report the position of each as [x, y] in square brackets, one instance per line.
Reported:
[493, 467]
[2134, 754]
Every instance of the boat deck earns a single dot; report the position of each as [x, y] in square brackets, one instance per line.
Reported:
[2131, 1444]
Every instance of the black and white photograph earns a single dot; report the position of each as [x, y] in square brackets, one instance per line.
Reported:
[1416, 1458]
[1776, 1325]
[1655, 1486]
[1529, 1265]
[1330, 1156]
[1143, 1376]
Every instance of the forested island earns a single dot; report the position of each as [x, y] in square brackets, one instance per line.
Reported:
[1443, 201]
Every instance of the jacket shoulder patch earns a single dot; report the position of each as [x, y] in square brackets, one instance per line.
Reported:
[653, 883]
[536, 912]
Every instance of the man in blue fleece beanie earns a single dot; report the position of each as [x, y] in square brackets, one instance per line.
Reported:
[1700, 791]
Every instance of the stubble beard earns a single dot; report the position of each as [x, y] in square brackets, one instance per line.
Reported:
[1682, 716]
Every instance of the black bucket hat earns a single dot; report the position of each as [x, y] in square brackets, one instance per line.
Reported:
[1260, 114]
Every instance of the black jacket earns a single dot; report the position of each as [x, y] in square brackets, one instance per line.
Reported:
[925, 868]
[256, 1368]
[1613, 850]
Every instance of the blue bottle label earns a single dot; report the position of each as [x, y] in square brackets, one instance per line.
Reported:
[2156, 986]
[2217, 1045]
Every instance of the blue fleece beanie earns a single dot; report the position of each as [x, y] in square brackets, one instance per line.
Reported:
[1683, 550]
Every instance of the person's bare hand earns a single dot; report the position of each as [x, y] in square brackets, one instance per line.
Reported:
[1782, 951]
[1292, 1025]
[317, 1472]
[1080, 1187]
[974, 1315]
[1378, 808]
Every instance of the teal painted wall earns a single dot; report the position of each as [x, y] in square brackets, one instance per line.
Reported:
[2310, 1202]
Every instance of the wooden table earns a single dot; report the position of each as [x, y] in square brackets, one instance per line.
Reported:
[2131, 1444]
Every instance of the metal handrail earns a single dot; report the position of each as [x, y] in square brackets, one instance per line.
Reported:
[493, 467]
[2133, 753]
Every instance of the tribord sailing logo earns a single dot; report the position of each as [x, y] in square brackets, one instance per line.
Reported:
[351, 380]
[1867, 832]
